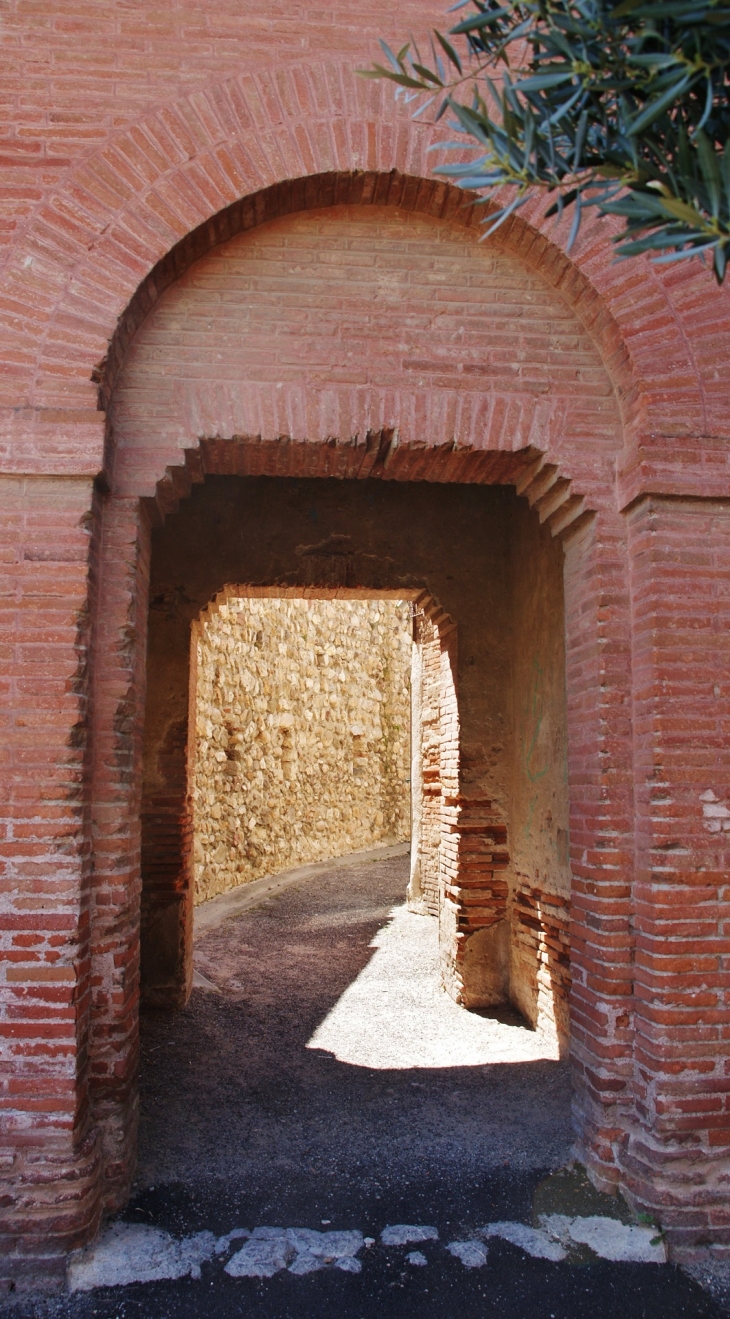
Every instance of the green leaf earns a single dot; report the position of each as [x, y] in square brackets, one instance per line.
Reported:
[710, 167]
[725, 167]
[682, 211]
[566, 199]
[449, 50]
[543, 80]
[622, 105]
[394, 61]
[426, 73]
[575, 226]
[625, 8]
[402, 79]
[658, 105]
[476, 24]
[580, 139]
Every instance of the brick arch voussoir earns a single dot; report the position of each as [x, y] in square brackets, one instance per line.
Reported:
[127, 205]
[172, 181]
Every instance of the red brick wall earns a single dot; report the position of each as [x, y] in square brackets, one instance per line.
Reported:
[48, 1148]
[680, 575]
[429, 762]
[540, 972]
[335, 323]
[119, 653]
[539, 819]
[123, 159]
[598, 683]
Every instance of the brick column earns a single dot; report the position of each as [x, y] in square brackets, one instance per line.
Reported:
[426, 761]
[416, 899]
[474, 911]
[473, 928]
[50, 1160]
[119, 643]
[167, 817]
[678, 1157]
[598, 676]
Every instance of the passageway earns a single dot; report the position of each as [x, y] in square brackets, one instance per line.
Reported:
[327, 1067]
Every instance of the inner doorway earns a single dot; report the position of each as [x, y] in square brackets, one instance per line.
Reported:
[486, 580]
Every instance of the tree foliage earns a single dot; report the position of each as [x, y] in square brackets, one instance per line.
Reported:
[625, 107]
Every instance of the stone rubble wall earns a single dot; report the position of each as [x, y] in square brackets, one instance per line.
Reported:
[302, 735]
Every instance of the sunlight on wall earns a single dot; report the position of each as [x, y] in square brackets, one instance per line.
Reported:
[303, 734]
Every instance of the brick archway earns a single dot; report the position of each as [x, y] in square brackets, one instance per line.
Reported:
[126, 162]
[550, 456]
[544, 446]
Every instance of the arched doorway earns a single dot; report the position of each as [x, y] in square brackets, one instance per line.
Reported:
[372, 349]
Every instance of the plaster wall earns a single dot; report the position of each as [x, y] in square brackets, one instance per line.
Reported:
[302, 736]
[540, 879]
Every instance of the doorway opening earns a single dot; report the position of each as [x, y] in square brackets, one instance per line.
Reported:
[335, 1020]
[481, 581]
[302, 733]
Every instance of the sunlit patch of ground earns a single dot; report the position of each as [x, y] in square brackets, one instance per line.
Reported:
[395, 1014]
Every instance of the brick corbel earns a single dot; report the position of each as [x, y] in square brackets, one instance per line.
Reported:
[681, 466]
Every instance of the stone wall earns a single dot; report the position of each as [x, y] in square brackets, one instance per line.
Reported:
[302, 734]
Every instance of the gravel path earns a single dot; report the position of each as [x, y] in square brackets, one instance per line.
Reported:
[332, 1046]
